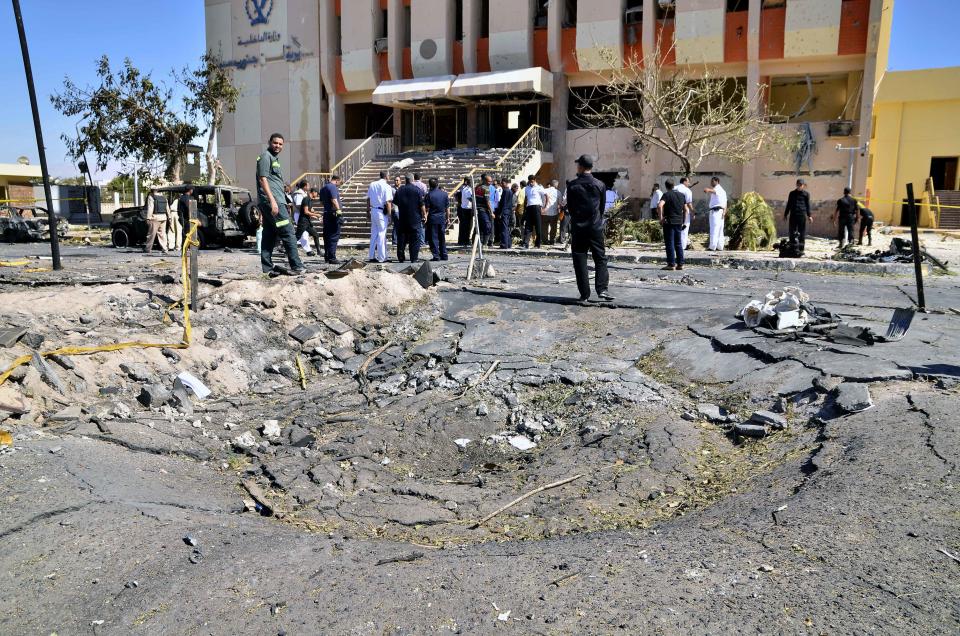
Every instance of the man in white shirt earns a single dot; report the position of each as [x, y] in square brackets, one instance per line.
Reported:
[684, 187]
[551, 211]
[298, 196]
[655, 195]
[465, 213]
[379, 206]
[610, 199]
[533, 207]
[718, 210]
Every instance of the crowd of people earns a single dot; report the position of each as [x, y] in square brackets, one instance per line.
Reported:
[419, 214]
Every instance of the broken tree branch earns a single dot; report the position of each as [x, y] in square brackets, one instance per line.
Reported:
[533, 492]
[362, 372]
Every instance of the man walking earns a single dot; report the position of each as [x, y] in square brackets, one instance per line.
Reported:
[394, 219]
[156, 221]
[673, 206]
[797, 214]
[332, 217]
[688, 213]
[505, 214]
[379, 207]
[183, 211]
[465, 213]
[533, 208]
[410, 214]
[273, 208]
[866, 225]
[845, 216]
[655, 195]
[437, 202]
[585, 201]
[718, 212]
[551, 211]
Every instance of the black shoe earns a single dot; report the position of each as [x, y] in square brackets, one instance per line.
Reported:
[583, 301]
[300, 271]
[605, 296]
[668, 267]
[679, 267]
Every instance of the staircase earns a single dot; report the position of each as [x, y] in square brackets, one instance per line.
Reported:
[449, 167]
[949, 216]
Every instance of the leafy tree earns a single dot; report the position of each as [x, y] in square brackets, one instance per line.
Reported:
[211, 95]
[750, 223]
[128, 116]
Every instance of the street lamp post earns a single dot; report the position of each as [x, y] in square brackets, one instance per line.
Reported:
[27, 69]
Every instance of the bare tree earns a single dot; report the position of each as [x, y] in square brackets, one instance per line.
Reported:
[691, 115]
[210, 95]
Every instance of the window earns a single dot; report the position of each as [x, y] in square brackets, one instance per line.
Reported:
[407, 27]
[665, 10]
[540, 14]
[458, 21]
[587, 104]
[733, 6]
[633, 13]
[339, 36]
[484, 18]
[569, 14]
[384, 26]
[513, 119]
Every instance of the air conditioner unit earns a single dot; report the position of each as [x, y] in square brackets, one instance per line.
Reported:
[380, 45]
[667, 4]
[633, 15]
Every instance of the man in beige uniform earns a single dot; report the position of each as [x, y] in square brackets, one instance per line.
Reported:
[157, 210]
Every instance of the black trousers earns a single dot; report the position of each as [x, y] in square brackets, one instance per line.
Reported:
[798, 230]
[584, 241]
[465, 217]
[437, 238]
[866, 225]
[532, 222]
[304, 225]
[331, 236]
[845, 229]
[502, 226]
[408, 238]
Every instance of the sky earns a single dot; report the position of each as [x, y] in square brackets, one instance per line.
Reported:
[66, 37]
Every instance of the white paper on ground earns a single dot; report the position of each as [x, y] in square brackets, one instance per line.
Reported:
[199, 388]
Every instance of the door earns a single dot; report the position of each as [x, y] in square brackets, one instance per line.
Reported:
[943, 170]
[446, 128]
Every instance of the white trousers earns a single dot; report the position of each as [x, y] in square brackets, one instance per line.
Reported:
[304, 242]
[685, 233]
[716, 229]
[378, 235]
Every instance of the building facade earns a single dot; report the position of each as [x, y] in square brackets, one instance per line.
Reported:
[477, 73]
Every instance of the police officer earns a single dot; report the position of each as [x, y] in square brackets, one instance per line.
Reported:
[332, 218]
[845, 216]
[273, 207]
[436, 203]
[484, 209]
[797, 214]
[508, 201]
[585, 201]
[866, 225]
[410, 215]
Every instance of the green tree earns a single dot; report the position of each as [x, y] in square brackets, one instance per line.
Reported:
[211, 95]
[128, 116]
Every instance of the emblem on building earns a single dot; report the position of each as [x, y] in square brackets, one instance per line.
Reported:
[258, 11]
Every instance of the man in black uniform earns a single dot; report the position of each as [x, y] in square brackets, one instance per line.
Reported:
[846, 216]
[437, 202]
[508, 201]
[410, 216]
[673, 210]
[306, 215]
[797, 213]
[585, 202]
[332, 217]
[866, 224]
[183, 211]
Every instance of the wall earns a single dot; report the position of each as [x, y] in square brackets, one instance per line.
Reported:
[599, 26]
[812, 28]
[279, 82]
[359, 28]
[699, 31]
[511, 34]
[432, 20]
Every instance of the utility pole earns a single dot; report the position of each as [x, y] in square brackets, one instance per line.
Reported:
[28, 70]
[852, 150]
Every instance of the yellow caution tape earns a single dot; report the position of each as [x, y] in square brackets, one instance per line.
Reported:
[303, 374]
[187, 329]
[38, 200]
[15, 263]
[918, 203]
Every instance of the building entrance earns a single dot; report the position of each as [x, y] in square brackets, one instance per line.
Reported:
[498, 125]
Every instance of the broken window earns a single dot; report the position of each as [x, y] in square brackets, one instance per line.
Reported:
[809, 98]
[734, 6]
[589, 103]
[569, 14]
[540, 11]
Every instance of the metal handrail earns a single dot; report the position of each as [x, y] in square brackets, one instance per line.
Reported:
[386, 144]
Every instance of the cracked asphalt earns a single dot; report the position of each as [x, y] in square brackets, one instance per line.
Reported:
[840, 523]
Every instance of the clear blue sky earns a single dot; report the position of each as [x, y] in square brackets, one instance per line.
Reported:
[66, 37]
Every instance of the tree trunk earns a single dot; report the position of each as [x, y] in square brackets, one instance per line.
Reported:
[174, 169]
[211, 158]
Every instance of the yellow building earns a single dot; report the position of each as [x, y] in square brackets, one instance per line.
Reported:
[915, 139]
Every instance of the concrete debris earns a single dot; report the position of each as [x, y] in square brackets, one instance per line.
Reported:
[210, 334]
[337, 326]
[154, 395]
[482, 410]
[302, 333]
[48, 374]
[136, 371]
[180, 398]
[769, 418]
[750, 430]
[271, 430]
[68, 414]
[713, 413]
[853, 397]
[33, 339]
[245, 441]
[10, 335]
[462, 442]
[521, 442]
[426, 276]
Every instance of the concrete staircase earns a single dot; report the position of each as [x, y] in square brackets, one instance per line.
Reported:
[949, 216]
[448, 166]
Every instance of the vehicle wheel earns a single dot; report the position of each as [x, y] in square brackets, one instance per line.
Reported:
[250, 217]
[121, 237]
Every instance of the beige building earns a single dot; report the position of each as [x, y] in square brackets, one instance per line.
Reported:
[441, 74]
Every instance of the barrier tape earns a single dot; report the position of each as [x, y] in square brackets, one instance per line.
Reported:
[188, 241]
[918, 202]
[25, 261]
[39, 200]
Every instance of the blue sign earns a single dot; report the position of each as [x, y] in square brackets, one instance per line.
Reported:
[258, 11]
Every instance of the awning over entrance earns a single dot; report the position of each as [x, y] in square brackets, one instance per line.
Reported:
[529, 81]
[400, 93]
